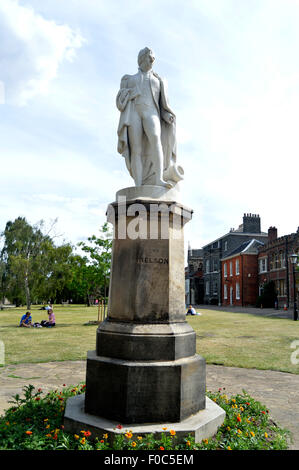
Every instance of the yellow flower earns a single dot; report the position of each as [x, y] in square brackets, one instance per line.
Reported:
[83, 440]
[48, 425]
[128, 435]
[229, 448]
[241, 408]
[228, 428]
[266, 435]
[48, 435]
[75, 436]
[172, 432]
[239, 431]
[164, 429]
[139, 438]
[252, 433]
[105, 436]
[233, 400]
[188, 443]
[133, 444]
[46, 419]
[206, 441]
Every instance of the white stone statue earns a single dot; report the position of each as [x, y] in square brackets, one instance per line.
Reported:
[146, 131]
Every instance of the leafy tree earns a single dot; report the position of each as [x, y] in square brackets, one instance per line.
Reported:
[268, 296]
[34, 267]
[99, 254]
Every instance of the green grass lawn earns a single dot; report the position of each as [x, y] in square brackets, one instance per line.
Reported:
[231, 339]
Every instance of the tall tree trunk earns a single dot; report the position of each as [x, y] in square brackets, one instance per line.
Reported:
[27, 292]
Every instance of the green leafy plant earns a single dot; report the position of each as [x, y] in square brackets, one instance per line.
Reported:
[35, 422]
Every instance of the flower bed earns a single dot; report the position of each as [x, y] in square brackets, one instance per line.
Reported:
[35, 422]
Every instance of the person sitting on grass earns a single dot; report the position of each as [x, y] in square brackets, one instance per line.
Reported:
[26, 320]
[192, 311]
[51, 319]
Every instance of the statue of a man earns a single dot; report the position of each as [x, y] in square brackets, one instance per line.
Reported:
[146, 131]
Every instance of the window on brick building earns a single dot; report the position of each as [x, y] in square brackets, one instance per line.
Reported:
[215, 287]
[225, 246]
[237, 291]
[272, 262]
[237, 266]
[230, 268]
[263, 265]
[225, 269]
[281, 287]
[225, 291]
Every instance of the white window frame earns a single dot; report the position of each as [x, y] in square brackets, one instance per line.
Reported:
[225, 291]
[231, 268]
[225, 269]
[237, 291]
[237, 264]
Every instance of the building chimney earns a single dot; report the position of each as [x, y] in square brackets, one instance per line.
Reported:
[272, 234]
[251, 223]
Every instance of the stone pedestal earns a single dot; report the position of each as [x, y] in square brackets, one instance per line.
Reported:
[145, 368]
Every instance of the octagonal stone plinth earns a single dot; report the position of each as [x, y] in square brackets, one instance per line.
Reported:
[138, 392]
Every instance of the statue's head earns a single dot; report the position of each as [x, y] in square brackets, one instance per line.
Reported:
[146, 58]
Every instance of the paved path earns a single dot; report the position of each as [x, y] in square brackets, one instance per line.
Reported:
[277, 390]
[261, 312]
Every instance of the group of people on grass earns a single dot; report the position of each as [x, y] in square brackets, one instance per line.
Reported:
[26, 320]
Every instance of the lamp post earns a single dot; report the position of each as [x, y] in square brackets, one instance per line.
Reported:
[293, 259]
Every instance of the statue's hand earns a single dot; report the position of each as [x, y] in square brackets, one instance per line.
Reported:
[169, 118]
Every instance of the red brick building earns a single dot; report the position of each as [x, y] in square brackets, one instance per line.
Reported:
[274, 265]
[240, 274]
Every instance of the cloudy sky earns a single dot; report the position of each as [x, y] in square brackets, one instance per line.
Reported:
[233, 80]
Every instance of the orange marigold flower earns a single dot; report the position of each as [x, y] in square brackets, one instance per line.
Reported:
[87, 433]
[28, 432]
[133, 444]
[172, 432]
[161, 448]
[229, 448]
[239, 419]
[139, 438]
[105, 436]
[164, 429]
[119, 426]
[83, 440]
[128, 435]
[188, 443]
[252, 433]
[76, 436]
[102, 441]
[48, 435]
[266, 435]
[55, 437]
[205, 441]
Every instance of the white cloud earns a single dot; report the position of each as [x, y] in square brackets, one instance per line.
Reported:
[31, 50]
